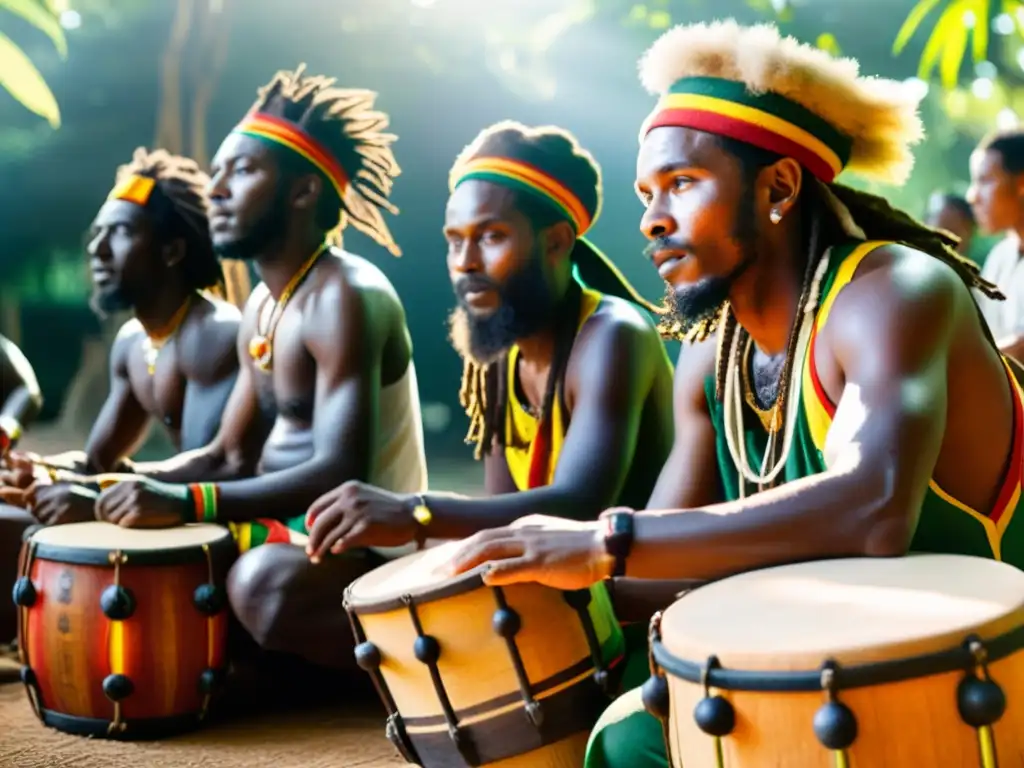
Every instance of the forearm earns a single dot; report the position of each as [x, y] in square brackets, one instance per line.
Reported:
[456, 517]
[209, 464]
[829, 515]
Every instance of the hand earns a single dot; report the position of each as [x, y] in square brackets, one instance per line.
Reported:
[15, 497]
[143, 503]
[60, 503]
[559, 553]
[358, 515]
[18, 470]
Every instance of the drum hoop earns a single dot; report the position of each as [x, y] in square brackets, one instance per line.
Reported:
[459, 585]
[223, 547]
[858, 676]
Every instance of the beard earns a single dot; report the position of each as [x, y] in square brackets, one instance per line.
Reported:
[525, 307]
[110, 301]
[268, 230]
[687, 306]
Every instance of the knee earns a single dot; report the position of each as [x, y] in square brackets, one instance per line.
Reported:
[627, 736]
[258, 588]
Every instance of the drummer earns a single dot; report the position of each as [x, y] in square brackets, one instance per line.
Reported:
[174, 362]
[21, 400]
[323, 344]
[889, 419]
[566, 383]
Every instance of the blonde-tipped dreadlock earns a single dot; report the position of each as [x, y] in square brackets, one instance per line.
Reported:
[182, 184]
[873, 123]
[345, 122]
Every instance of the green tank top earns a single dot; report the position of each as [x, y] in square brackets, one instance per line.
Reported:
[945, 524]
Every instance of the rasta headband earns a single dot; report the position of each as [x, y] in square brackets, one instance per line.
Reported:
[767, 120]
[286, 134]
[133, 189]
[531, 179]
[591, 267]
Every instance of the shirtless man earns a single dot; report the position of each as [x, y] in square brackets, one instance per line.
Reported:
[174, 362]
[323, 344]
[904, 391]
[20, 403]
[568, 387]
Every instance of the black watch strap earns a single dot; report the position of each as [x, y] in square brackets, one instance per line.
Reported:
[618, 538]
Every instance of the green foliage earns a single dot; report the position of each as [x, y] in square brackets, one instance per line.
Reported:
[18, 75]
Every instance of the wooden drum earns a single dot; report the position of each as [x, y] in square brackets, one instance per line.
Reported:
[473, 675]
[123, 632]
[861, 663]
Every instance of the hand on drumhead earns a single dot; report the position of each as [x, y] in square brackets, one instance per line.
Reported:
[143, 503]
[563, 554]
[358, 515]
[15, 497]
[61, 503]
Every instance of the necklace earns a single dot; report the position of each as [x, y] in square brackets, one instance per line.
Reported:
[261, 346]
[156, 340]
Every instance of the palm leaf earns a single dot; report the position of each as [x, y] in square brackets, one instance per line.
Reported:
[953, 54]
[980, 31]
[937, 40]
[912, 22]
[20, 77]
[42, 18]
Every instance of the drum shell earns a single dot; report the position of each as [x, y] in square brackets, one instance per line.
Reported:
[164, 647]
[479, 676]
[899, 680]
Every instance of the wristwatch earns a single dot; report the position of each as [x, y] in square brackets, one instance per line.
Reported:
[423, 516]
[618, 537]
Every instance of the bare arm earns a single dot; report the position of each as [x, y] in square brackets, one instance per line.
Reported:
[889, 331]
[24, 400]
[497, 477]
[344, 337]
[122, 421]
[611, 379]
[690, 476]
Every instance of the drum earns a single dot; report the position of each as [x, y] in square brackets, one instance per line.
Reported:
[473, 675]
[123, 632]
[856, 663]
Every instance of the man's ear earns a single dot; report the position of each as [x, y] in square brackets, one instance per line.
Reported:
[174, 252]
[306, 192]
[559, 240]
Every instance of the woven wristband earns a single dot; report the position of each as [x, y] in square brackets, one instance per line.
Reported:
[204, 498]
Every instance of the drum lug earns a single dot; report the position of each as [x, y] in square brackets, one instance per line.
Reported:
[980, 700]
[117, 603]
[24, 592]
[835, 725]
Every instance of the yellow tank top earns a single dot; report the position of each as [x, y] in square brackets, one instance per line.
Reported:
[521, 427]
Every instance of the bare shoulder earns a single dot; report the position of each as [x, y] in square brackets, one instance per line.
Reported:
[616, 321]
[900, 289]
[208, 339]
[129, 336]
[353, 289]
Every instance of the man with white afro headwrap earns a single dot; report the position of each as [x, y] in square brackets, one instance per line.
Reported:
[838, 394]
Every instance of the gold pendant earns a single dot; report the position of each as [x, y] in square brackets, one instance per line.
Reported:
[261, 350]
[151, 353]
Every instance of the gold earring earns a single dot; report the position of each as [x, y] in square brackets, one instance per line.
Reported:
[775, 216]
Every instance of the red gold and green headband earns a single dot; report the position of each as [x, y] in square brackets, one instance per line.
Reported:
[133, 189]
[289, 135]
[529, 178]
[767, 120]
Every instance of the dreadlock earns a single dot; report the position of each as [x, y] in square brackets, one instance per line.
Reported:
[344, 121]
[822, 228]
[483, 390]
[179, 210]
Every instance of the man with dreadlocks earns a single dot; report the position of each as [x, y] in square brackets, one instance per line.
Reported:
[323, 345]
[853, 403]
[566, 382]
[173, 362]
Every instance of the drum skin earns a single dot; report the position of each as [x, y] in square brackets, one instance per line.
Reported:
[476, 669]
[858, 615]
[170, 651]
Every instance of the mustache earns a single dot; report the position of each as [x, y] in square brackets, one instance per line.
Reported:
[473, 283]
[665, 244]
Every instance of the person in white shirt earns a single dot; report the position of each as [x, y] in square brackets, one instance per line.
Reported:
[996, 196]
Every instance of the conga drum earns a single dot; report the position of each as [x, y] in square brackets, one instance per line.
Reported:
[908, 662]
[123, 632]
[473, 675]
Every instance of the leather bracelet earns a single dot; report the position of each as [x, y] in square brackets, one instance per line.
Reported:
[618, 538]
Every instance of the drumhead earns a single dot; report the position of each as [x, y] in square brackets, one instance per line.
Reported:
[857, 610]
[108, 537]
[422, 574]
